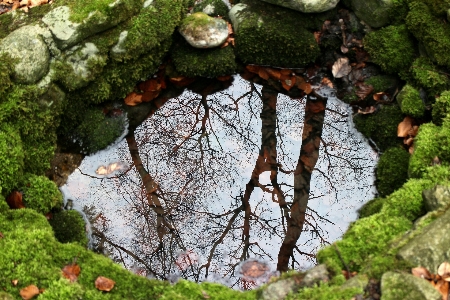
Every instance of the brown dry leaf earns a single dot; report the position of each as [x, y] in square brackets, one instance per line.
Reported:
[341, 68]
[404, 127]
[14, 282]
[317, 35]
[29, 292]
[133, 99]
[253, 68]
[344, 49]
[381, 96]
[411, 150]
[421, 272]
[363, 90]
[181, 81]
[149, 96]
[263, 73]
[442, 287]
[274, 73]
[444, 269]
[288, 83]
[104, 284]
[71, 272]
[327, 82]
[14, 200]
[150, 85]
[408, 141]
[414, 130]
[367, 110]
[224, 78]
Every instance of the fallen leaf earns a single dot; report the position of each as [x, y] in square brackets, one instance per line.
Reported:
[317, 35]
[405, 126]
[71, 272]
[341, 67]
[327, 82]
[14, 200]
[29, 292]
[263, 73]
[149, 96]
[381, 96]
[288, 83]
[367, 110]
[274, 73]
[421, 272]
[444, 268]
[224, 78]
[205, 295]
[104, 284]
[442, 287]
[133, 99]
[181, 81]
[363, 90]
[14, 282]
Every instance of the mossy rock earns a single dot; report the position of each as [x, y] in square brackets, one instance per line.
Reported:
[11, 157]
[213, 8]
[381, 126]
[97, 131]
[192, 62]
[441, 108]
[69, 226]
[40, 193]
[410, 102]
[371, 207]
[428, 76]
[392, 48]
[275, 36]
[382, 83]
[392, 170]
[430, 31]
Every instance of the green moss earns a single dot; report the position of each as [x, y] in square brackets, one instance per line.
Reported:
[31, 254]
[192, 62]
[392, 170]
[407, 202]
[6, 69]
[438, 7]
[69, 226]
[441, 108]
[11, 157]
[370, 208]
[40, 193]
[270, 35]
[325, 292]
[186, 290]
[391, 48]
[381, 83]
[431, 141]
[3, 205]
[81, 9]
[220, 8]
[381, 126]
[98, 131]
[365, 239]
[427, 75]
[430, 31]
[410, 102]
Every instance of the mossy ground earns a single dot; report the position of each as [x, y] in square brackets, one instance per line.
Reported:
[392, 170]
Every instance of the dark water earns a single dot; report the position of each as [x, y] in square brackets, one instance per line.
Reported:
[189, 213]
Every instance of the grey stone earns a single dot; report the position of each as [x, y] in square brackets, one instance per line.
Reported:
[306, 6]
[237, 15]
[358, 281]
[315, 275]
[67, 33]
[431, 246]
[279, 289]
[436, 198]
[395, 286]
[27, 46]
[372, 12]
[202, 31]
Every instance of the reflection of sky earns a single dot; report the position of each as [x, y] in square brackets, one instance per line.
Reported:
[337, 190]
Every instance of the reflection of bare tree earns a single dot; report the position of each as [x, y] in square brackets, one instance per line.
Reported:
[197, 199]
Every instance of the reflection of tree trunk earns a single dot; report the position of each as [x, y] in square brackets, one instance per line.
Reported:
[309, 153]
[150, 187]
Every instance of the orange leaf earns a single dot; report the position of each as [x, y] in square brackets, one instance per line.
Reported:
[149, 96]
[288, 83]
[273, 73]
[327, 82]
[104, 284]
[71, 272]
[14, 200]
[29, 292]
[286, 72]
[224, 78]
[263, 74]
[421, 272]
[133, 99]
[404, 127]
[442, 287]
[253, 68]
[149, 85]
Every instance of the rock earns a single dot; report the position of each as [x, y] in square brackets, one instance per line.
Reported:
[358, 281]
[68, 33]
[430, 247]
[436, 198]
[27, 46]
[202, 31]
[396, 286]
[235, 15]
[212, 8]
[306, 6]
[373, 12]
[279, 289]
[315, 275]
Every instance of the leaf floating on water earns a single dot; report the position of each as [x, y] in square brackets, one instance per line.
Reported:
[29, 292]
[104, 284]
[341, 68]
[71, 272]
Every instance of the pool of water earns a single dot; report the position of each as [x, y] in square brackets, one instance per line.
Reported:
[186, 213]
